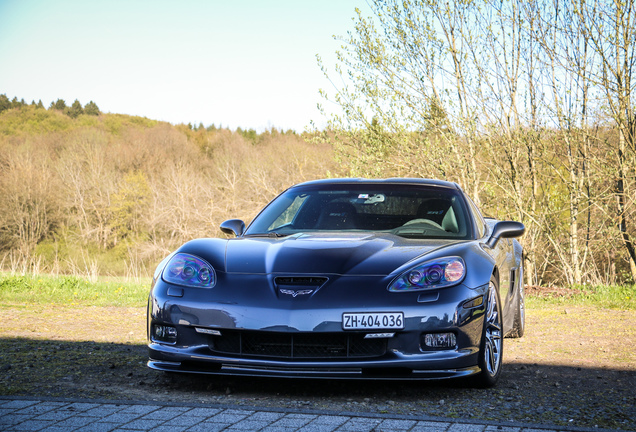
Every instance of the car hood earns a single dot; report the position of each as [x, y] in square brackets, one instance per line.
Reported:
[343, 254]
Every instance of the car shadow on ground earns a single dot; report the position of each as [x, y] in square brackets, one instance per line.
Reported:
[535, 393]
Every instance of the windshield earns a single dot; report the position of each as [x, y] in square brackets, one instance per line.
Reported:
[406, 210]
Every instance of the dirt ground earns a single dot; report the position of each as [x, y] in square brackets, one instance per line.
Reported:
[575, 366]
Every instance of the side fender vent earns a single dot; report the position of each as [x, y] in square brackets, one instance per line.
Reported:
[513, 280]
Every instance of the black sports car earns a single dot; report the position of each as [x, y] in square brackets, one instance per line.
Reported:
[344, 278]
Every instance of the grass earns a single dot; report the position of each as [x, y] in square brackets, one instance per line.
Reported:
[72, 291]
[602, 296]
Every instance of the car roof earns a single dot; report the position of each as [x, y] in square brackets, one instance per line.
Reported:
[396, 181]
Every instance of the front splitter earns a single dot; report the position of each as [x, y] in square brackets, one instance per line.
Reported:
[388, 373]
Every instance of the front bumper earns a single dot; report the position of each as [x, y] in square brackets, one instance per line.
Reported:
[403, 357]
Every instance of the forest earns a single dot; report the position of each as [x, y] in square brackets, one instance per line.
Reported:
[528, 105]
[113, 194]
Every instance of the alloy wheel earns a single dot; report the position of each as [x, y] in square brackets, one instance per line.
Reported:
[493, 334]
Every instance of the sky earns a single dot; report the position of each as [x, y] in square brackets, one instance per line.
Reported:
[231, 63]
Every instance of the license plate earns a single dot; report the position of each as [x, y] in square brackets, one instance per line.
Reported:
[373, 321]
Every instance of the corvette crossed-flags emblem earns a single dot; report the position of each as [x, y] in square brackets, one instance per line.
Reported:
[295, 293]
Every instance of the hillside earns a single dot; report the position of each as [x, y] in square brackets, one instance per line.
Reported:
[113, 194]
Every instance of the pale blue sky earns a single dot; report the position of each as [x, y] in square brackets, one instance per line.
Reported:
[233, 63]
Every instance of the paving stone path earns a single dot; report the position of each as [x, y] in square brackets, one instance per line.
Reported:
[53, 415]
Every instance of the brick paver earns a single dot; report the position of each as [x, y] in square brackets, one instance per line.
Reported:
[91, 416]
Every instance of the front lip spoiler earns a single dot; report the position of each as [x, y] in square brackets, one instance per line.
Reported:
[388, 373]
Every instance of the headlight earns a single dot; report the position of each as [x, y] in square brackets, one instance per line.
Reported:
[188, 270]
[437, 273]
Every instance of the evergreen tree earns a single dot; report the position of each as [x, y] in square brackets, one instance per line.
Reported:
[91, 109]
[76, 109]
[5, 103]
[59, 105]
[40, 104]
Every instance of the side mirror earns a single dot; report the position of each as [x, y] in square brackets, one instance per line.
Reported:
[505, 229]
[233, 226]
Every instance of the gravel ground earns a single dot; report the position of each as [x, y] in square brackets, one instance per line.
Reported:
[574, 367]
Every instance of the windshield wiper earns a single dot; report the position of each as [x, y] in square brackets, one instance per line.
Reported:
[270, 234]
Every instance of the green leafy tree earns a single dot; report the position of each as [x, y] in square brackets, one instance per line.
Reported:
[129, 205]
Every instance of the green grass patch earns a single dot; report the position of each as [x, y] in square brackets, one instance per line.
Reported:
[72, 290]
[603, 296]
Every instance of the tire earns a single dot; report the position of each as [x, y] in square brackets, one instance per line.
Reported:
[519, 324]
[491, 349]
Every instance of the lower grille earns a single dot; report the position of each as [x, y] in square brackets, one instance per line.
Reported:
[297, 345]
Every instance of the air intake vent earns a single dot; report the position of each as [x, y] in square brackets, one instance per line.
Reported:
[296, 345]
[300, 281]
